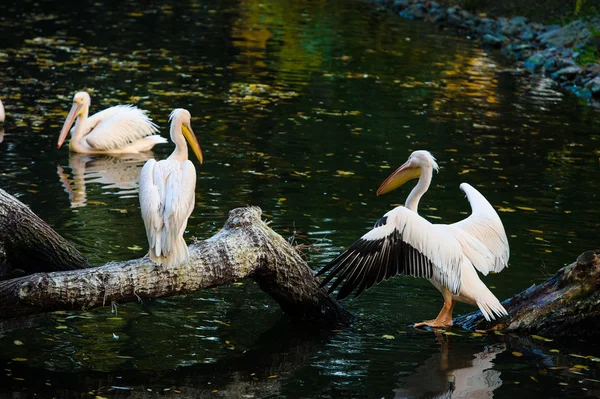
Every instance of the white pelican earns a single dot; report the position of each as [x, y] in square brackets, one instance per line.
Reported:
[167, 190]
[122, 129]
[2, 113]
[403, 242]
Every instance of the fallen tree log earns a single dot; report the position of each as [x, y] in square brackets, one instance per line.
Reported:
[567, 304]
[245, 247]
[29, 245]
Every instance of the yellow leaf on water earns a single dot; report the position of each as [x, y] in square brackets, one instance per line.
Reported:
[502, 209]
[581, 367]
[273, 376]
[535, 231]
[17, 342]
[533, 378]
[540, 338]
[517, 354]
[554, 351]
[61, 327]
[344, 173]
[387, 336]
[19, 378]
[19, 359]
[451, 333]
[525, 208]
[135, 248]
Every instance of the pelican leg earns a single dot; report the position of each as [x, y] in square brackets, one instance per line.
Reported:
[443, 319]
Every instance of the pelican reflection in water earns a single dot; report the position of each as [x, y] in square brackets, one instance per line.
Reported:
[117, 173]
[455, 372]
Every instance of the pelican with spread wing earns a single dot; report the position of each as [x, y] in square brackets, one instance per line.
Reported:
[122, 129]
[449, 255]
[167, 194]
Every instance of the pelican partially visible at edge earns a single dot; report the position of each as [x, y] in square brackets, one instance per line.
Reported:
[122, 129]
[403, 242]
[167, 194]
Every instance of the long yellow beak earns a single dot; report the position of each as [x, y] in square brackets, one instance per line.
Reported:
[189, 135]
[74, 113]
[400, 176]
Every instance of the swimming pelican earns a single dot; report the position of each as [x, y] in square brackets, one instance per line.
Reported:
[403, 242]
[122, 129]
[2, 113]
[167, 194]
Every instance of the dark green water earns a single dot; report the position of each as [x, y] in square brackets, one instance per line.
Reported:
[302, 109]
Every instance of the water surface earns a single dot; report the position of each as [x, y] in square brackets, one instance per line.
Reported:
[302, 109]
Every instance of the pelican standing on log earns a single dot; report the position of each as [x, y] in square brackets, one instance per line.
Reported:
[122, 129]
[167, 194]
[403, 242]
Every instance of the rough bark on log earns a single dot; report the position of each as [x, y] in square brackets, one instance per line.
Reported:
[245, 247]
[29, 244]
[567, 304]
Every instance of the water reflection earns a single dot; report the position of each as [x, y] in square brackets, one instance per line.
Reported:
[117, 174]
[1, 133]
[455, 372]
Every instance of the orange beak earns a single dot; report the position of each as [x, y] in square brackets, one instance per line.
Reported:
[400, 176]
[73, 114]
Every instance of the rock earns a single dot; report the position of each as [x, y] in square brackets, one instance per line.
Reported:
[594, 86]
[573, 34]
[526, 35]
[401, 3]
[535, 61]
[493, 40]
[567, 72]
[550, 64]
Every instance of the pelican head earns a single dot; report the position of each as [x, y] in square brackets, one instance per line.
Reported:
[417, 162]
[81, 105]
[184, 118]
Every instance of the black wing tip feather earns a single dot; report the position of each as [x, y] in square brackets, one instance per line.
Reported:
[369, 262]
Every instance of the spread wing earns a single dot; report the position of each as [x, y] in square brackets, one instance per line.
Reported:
[485, 225]
[117, 127]
[402, 242]
[166, 200]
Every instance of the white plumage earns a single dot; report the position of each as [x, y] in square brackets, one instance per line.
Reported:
[167, 195]
[403, 242]
[122, 129]
[2, 114]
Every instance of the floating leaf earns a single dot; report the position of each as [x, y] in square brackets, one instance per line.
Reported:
[525, 208]
[540, 338]
[135, 248]
[581, 367]
[19, 359]
[17, 342]
[502, 209]
[451, 333]
[533, 378]
[344, 173]
[387, 336]
[273, 376]
[517, 354]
